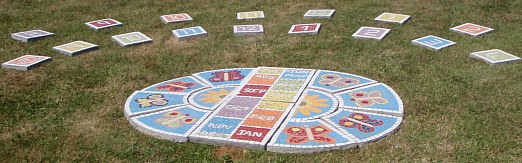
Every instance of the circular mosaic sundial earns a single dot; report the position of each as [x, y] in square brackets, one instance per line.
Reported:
[276, 109]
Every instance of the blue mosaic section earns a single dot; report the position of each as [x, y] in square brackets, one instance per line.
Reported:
[297, 74]
[210, 98]
[313, 104]
[335, 81]
[225, 76]
[221, 125]
[309, 133]
[375, 97]
[363, 126]
[177, 121]
[180, 85]
[144, 102]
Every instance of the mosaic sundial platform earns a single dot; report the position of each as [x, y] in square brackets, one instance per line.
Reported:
[276, 109]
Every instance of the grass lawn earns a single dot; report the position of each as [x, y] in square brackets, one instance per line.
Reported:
[457, 109]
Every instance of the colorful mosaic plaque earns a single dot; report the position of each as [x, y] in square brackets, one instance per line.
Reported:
[494, 56]
[287, 110]
[243, 30]
[250, 15]
[392, 18]
[319, 13]
[75, 48]
[472, 29]
[32, 35]
[25, 62]
[133, 38]
[433, 42]
[175, 18]
[189, 33]
[104, 23]
[306, 29]
[371, 33]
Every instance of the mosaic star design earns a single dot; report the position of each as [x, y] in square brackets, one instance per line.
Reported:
[286, 110]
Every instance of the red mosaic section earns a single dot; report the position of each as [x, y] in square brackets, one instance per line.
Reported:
[103, 23]
[250, 133]
[253, 90]
[304, 28]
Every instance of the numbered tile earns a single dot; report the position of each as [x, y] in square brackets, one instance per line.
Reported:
[76, 47]
[25, 62]
[104, 23]
[175, 18]
[133, 38]
[393, 18]
[472, 29]
[243, 30]
[320, 13]
[188, 33]
[307, 29]
[371, 33]
[494, 56]
[251, 15]
[32, 35]
[433, 42]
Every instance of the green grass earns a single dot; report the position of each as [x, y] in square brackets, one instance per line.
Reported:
[457, 109]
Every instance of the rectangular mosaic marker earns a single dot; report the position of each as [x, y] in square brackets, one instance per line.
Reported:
[32, 35]
[243, 30]
[133, 38]
[495, 56]
[25, 62]
[75, 48]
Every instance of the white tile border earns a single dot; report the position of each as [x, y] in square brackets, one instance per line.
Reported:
[204, 33]
[8, 65]
[491, 62]
[60, 49]
[247, 33]
[261, 16]
[124, 44]
[309, 14]
[314, 32]
[19, 37]
[164, 20]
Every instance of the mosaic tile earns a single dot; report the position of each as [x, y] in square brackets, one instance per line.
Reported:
[26, 62]
[371, 33]
[366, 127]
[284, 110]
[307, 29]
[377, 98]
[245, 30]
[133, 38]
[332, 81]
[250, 15]
[104, 23]
[172, 124]
[297, 136]
[189, 33]
[31, 35]
[472, 29]
[392, 18]
[319, 13]
[75, 48]
[175, 18]
[433, 42]
[494, 56]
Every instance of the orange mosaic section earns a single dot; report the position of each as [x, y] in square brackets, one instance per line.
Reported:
[263, 79]
[263, 118]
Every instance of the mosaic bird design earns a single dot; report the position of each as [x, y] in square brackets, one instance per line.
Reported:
[176, 86]
[360, 121]
[152, 100]
[337, 81]
[223, 76]
[175, 119]
[365, 99]
[300, 135]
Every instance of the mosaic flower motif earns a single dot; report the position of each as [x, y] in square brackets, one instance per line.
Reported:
[152, 100]
[214, 97]
[311, 104]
